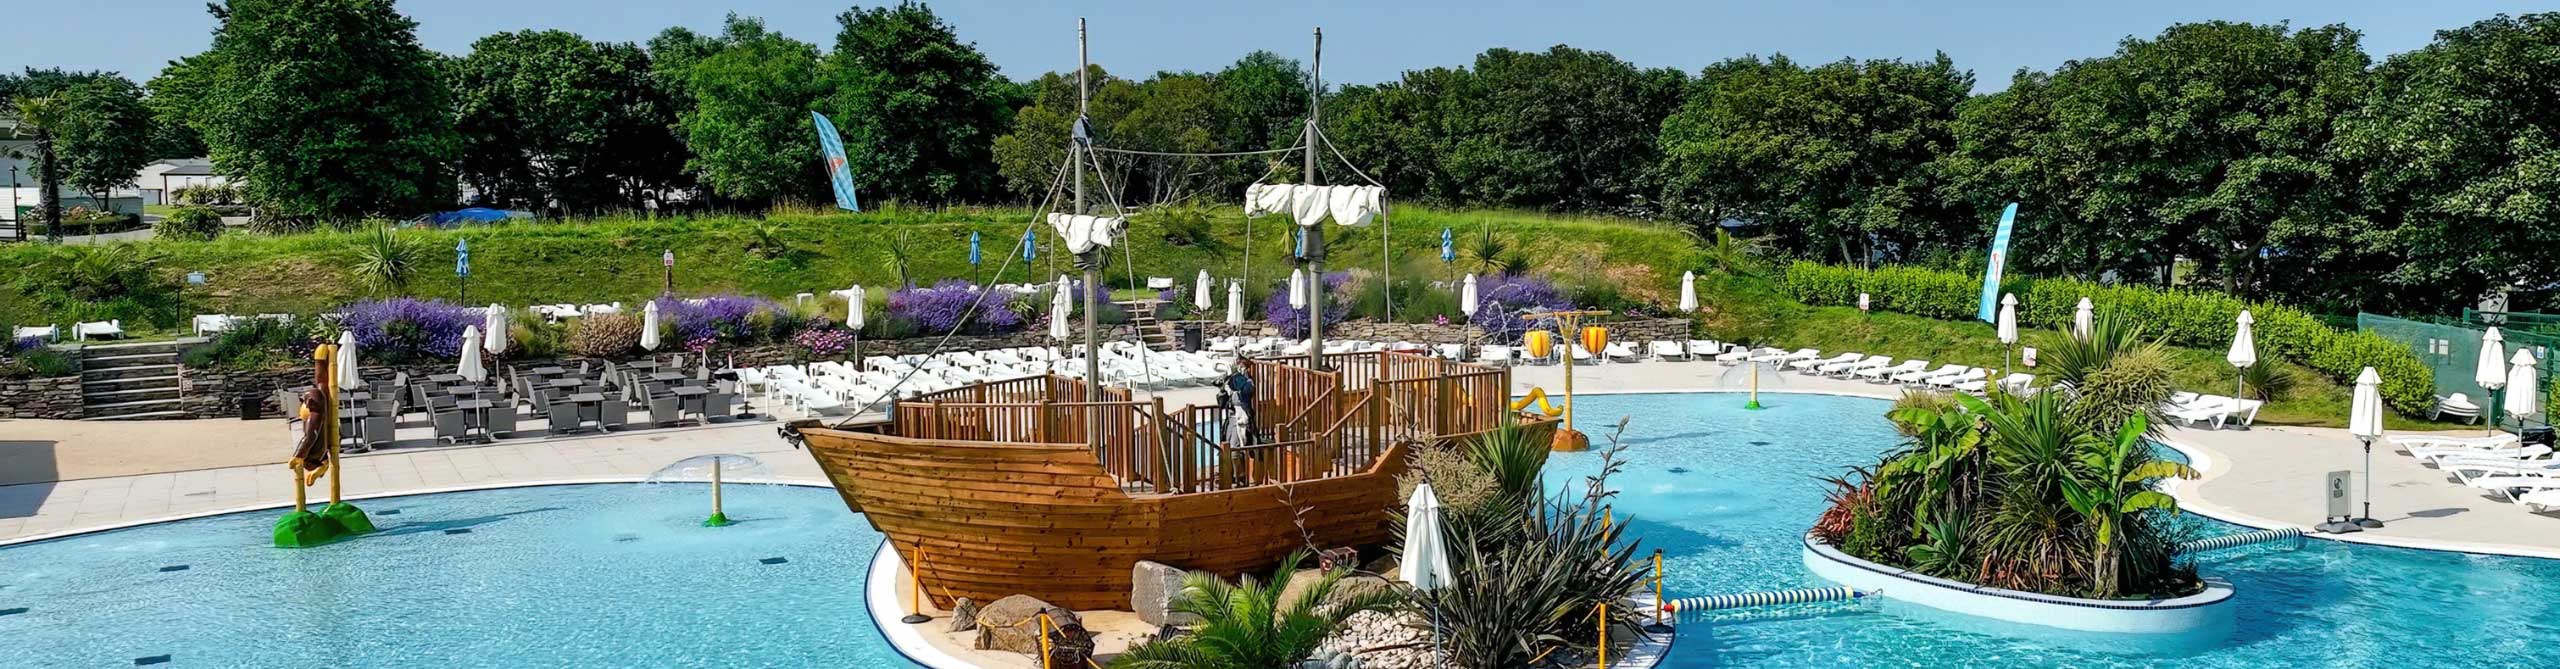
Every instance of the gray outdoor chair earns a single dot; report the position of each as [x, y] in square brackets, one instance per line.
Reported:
[564, 418]
[665, 411]
[615, 414]
[380, 426]
[719, 404]
[451, 426]
[502, 420]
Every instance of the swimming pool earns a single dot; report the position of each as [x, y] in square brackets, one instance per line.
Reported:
[585, 575]
[1728, 493]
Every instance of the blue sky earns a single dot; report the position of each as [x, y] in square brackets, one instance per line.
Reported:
[1364, 42]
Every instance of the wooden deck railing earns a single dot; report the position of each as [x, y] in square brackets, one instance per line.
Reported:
[1307, 424]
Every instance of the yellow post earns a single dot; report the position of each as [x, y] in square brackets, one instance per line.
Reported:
[1567, 330]
[1604, 635]
[1044, 641]
[915, 591]
[329, 412]
[1657, 586]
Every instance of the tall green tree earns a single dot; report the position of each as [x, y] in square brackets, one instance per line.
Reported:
[1832, 161]
[1031, 155]
[42, 116]
[327, 109]
[920, 109]
[2208, 142]
[549, 119]
[175, 97]
[748, 124]
[1564, 128]
[2456, 160]
[104, 136]
[1261, 100]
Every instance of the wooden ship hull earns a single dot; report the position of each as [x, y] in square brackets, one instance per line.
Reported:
[1001, 488]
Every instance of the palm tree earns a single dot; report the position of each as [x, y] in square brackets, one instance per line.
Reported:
[1494, 255]
[44, 113]
[1246, 626]
[2116, 481]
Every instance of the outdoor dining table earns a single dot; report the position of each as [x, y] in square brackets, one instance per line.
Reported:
[590, 407]
[446, 379]
[546, 370]
[689, 399]
[479, 413]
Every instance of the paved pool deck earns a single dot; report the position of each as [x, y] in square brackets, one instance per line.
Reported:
[60, 477]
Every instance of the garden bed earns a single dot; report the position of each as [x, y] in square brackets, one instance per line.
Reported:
[2202, 614]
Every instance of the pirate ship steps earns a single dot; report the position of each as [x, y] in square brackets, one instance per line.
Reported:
[1028, 486]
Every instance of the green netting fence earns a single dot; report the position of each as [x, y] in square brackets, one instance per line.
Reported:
[2452, 348]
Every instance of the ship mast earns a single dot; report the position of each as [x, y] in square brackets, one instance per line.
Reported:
[1313, 256]
[1091, 260]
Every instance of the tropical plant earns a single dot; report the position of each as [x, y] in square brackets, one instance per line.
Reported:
[1247, 625]
[2266, 380]
[1489, 254]
[1731, 254]
[2117, 482]
[388, 261]
[111, 281]
[1515, 597]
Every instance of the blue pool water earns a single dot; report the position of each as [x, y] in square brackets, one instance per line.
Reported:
[594, 575]
[1728, 493]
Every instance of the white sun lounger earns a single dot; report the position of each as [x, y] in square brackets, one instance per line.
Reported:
[1495, 354]
[1888, 373]
[1785, 358]
[2516, 487]
[107, 329]
[1619, 351]
[2435, 454]
[1738, 354]
[1704, 349]
[1810, 365]
[1950, 380]
[214, 323]
[1846, 368]
[37, 332]
[1666, 351]
[1581, 355]
[2475, 470]
[1921, 377]
[2417, 441]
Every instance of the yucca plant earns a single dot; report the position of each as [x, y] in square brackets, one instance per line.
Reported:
[2111, 335]
[387, 261]
[1515, 600]
[1493, 255]
[1246, 625]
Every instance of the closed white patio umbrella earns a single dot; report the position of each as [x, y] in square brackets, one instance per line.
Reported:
[2490, 371]
[2084, 318]
[2008, 327]
[1061, 305]
[2364, 420]
[2522, 397]
[649, 326]
[1467, 296]
[347, 358]
[1425, 563]
[1688, 292]
[469, 368]
[1235, 303]
[1200, 292]
[1298, 288]
[2244, 351]
[855, 302]
[493, 329]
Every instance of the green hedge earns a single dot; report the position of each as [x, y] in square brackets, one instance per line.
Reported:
[2185, 318]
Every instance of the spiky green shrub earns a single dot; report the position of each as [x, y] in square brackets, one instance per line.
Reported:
[1247, 625]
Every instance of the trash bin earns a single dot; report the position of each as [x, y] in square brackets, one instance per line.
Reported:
[252, 407]
[1192, 334]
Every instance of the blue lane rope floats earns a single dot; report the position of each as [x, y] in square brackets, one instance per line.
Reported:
[2242, 539]
[1749, 599]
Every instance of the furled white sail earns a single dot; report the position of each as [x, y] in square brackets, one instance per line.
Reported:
[1083, 233]
[1311, 205]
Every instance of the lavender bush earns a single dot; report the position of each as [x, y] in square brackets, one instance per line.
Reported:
[1501, 300]
[730, 318]
[1292, 321]
[824, 342]
[940, 307]
[404, 329]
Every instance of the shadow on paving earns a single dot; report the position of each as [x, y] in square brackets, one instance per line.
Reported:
[27, 474]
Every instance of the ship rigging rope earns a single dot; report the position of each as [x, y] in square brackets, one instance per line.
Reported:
[1386, 256]
[1199, 154]
[890, 396]
[1128, 262]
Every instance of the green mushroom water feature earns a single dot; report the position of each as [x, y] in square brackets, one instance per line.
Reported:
[712, 469]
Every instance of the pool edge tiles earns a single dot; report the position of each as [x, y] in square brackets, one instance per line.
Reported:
[2201, 617]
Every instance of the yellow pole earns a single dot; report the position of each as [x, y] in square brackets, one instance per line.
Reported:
[1564, 326]
[1044, 641]
[329, 410]
[1657, 586]
[1604, 635]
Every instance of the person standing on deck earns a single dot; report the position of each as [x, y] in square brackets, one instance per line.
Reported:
[1238, 389]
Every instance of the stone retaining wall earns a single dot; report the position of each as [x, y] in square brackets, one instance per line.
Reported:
[55, 397]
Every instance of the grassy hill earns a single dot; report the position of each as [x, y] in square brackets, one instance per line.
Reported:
[618, 260]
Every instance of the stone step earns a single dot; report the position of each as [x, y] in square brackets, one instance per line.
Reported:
[132, 372]
[122, 360]
[100, 397]
[111, 385]
[146, 415]
[117, 409]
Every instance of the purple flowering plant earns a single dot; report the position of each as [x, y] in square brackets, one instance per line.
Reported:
[717, 317]
[942, 306]
[405, 329]
[824, 342]
[1501, 300]
[1292, 321]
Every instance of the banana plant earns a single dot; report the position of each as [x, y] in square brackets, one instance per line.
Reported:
[2115, 480]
